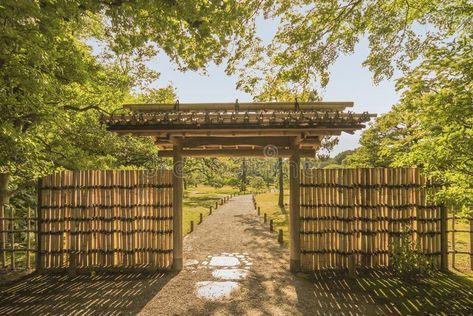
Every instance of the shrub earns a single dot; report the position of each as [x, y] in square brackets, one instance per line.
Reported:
[257, 183]
[407, 260]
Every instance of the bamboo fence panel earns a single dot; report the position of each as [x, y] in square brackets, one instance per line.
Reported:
[106, 218]
[363, 213]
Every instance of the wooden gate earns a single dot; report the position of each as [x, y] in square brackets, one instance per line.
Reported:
[363, 213]
[105, 219]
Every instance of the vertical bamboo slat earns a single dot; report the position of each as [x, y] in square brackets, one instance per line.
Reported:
[104, 219]
[362, 213]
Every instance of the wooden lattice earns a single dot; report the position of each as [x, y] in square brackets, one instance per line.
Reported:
[362, 213]
[106, 219]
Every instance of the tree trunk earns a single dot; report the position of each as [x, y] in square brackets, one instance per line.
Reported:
[243, 175]
[281, 184]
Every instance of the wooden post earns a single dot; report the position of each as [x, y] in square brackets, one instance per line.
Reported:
[210, 210]
[271, 225]
[294, 214]
[38, 226]
[178, 166]
[280, 237]
[12, 238]
[443, 239]
[265, 218]
[216, 205]
[201, 218]
[453, 241]
[471, 243]
[192, 227]
[3, 237]
[28, 239]
[259, 211]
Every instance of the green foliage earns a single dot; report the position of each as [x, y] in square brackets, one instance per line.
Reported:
[407, 260]
[257, 183]
[63, 64]
[312, 35]
[432, 126]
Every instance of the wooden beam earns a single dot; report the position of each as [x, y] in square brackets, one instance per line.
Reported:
[240, 152]
[294, 208]
[177, 184]
[233, 133]
[190, 142]
[244, 106]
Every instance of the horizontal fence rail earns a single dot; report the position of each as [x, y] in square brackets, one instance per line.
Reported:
[105, 219]
[18, 235]
[460, 242]
[362, 213]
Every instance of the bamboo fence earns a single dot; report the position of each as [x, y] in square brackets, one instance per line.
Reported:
[105, 219]
[363, 213]
[124, 219]
[18, 235]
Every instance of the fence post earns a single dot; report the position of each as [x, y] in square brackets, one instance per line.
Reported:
[216, 205]
[210, 210]
[259, 211]
[280, 237]
[192, 226]
[265, 218]
[12, 238]
[201, 218]
[3, 235]
[453, 240]
[471, 242]
[28, 239]
[271, 225]
[38, 226]
[444, 239]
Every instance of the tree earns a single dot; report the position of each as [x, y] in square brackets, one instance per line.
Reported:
[313, 34]
[280, 183]
[54, 85]
[432, 126]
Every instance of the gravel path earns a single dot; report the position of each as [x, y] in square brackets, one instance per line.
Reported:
[234, 266]
[236, 239]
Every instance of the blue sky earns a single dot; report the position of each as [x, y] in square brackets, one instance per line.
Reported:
[349, 81]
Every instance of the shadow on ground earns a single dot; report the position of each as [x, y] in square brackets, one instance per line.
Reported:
[104, 294]
[270, 289]
[373, 292]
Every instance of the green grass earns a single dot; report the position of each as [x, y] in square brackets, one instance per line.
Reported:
[199, 199]
[268, 203]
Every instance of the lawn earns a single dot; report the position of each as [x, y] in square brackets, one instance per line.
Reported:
[268, 203]
[199, 199]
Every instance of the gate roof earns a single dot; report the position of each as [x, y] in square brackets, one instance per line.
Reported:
[239, 129]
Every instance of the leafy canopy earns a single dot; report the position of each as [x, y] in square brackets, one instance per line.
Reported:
[65, 63]
[311, 35]
[432, 126]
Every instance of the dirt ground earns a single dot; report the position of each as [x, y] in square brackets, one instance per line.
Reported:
[233, 266]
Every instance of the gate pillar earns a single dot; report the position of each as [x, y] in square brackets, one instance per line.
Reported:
[177, 174]
[294, 207]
